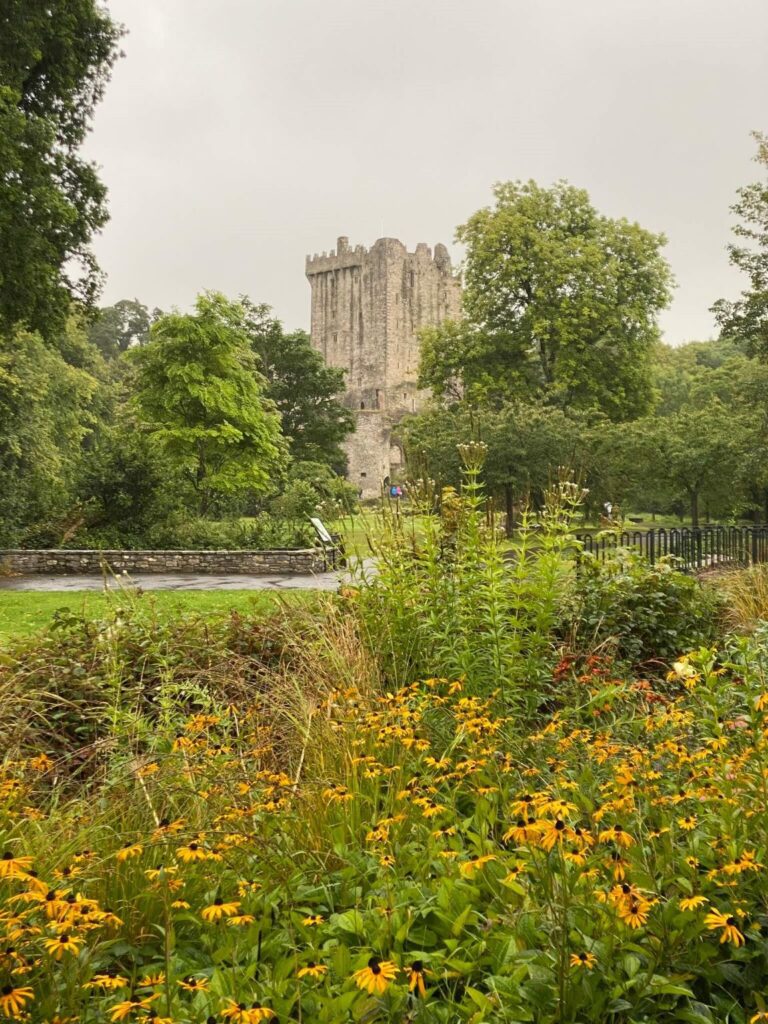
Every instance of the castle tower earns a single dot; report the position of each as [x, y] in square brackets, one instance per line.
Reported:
[367, 308]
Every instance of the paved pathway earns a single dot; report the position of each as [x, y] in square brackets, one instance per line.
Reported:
[168, 581]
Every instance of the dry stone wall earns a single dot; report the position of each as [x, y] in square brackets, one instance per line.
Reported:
[303, 562]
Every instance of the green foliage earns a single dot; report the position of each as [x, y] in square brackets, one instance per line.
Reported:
[448, 602]
[305, 390]
[746, 318]
[559, 300]
[641, 614]
[46, 414]
[263, 531]
[55, 59]
[118, 328]
[198, 391]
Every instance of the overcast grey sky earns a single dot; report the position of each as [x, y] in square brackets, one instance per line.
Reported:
[237, 136]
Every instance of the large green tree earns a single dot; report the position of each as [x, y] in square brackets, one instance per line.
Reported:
[48, 411]
[746, 318]
[559, 300]
[304, 388]
[117, 328]
[202, 399]
[55, 59]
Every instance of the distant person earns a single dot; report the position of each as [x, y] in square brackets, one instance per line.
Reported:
[608, 506]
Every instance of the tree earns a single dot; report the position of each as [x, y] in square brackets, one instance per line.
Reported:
[202, 399]
[304, 388]
[55, 60]
[46, 416]
[118, 328]
[560, 301]
[746, 319]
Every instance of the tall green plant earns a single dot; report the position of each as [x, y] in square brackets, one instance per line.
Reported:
[448, 597]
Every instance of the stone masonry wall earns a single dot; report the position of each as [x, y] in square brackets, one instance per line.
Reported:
[302, 562]
[368, 306]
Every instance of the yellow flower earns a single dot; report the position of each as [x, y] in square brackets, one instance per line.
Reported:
[64, 943]
[13, 1000]
[692, 902]
[688, 823]
[587, 960]
[313, 919]
[192, 852]
[190, 984]
[375, 976]
[241, 920]
[416, 973]
[634, 913]
[617, 835]
[12, 866]
[312, 970]
[219, 909]
[122, 1010]
[106, 981]
[469, 868]
[730, 933]
[129, 850]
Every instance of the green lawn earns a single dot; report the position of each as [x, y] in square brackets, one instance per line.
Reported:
[23, 612]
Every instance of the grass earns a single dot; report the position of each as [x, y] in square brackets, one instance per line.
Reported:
[25, 612]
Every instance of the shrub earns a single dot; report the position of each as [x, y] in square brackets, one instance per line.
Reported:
[641, 612]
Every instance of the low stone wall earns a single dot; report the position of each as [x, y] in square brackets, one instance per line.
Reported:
[301, 562]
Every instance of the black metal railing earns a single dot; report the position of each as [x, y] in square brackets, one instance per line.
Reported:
[692, 548]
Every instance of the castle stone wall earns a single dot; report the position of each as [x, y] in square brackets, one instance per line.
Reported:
[368, 306]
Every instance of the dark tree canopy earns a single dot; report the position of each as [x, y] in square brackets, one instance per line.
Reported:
[118, 328]
[304, 388]
[55, 59]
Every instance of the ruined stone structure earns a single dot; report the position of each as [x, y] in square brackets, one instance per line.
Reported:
[367, 308]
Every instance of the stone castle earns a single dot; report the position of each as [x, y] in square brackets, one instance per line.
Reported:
[368, 306]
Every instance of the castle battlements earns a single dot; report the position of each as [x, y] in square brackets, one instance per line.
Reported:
[344, 256]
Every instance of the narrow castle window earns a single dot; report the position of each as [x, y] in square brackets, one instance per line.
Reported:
[363, 474]
[362, 405]
[412, 279]
[335, 338]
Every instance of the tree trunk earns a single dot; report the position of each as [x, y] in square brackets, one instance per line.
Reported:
[509, 505]
[694, 508]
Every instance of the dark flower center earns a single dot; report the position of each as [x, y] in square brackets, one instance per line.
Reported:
[731, 921]
[417, 966]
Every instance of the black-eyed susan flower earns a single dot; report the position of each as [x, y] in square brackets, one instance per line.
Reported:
[312, 970]
[469, 868]
[727, 924]
[192, 852]
[617, 835]
[313, 920]
[584, 960]
[129, 851]
[192, 984]
[14, 999]
[416, 974]
[692, 902]
[375, 976]
[219, 909]
[64, 943]
[13, 866]
[688, 823]
[121, 1011]
[634, 912]
[107, 982]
